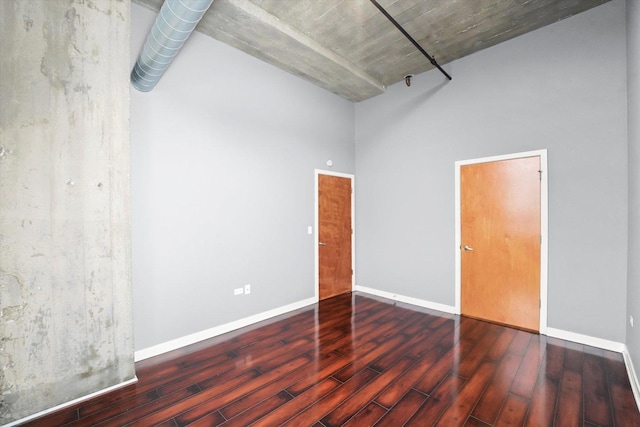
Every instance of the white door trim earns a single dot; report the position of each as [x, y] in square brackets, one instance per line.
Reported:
[316, 229]
[544, 227]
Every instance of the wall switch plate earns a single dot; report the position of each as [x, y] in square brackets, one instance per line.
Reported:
[309, 230]
[238, 291]
[631, 320]
[247, 289]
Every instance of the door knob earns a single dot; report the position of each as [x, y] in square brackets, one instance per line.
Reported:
[322, 244]
[467, 248]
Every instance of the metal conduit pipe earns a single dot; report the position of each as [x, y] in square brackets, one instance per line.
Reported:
[175, 23]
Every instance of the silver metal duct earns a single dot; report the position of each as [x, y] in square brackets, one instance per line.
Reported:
[175, 23]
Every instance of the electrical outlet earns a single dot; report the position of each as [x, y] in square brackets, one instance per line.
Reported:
[238, 291]
[631, 320]
[247, 289]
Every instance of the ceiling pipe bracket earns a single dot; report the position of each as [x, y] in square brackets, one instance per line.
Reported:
[411, 39]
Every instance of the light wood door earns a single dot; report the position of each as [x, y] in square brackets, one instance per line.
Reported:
[334, 235]
[500, 241]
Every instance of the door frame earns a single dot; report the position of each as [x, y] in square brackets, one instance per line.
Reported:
[544, 227]
[317, 234]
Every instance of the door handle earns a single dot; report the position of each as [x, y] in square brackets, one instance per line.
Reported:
[467, 248]
[322, 244]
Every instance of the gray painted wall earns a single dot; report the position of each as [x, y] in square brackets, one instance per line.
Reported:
[223, 152]
[562, 88]
[633, 116]
[65, 287]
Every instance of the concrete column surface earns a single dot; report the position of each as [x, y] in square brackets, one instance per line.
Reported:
[65, 282]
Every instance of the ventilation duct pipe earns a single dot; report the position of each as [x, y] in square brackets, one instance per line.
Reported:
[175, 23]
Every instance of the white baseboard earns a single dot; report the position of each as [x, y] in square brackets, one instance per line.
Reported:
[218, 330]
[409, 300]
[618, 347]
[72, 402]
[633, 378]
[552, 332]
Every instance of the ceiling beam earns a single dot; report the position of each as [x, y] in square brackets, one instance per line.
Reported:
[278, 25]
[245, 26]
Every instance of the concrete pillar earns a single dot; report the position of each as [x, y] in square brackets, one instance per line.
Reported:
[633, 132]
[65, 282]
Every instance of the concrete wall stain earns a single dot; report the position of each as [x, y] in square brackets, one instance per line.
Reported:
[58, 37]
[28, 23]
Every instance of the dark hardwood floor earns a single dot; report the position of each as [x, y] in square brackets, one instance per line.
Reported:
[356, 360]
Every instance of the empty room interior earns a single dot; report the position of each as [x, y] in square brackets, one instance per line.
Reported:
[305, 220]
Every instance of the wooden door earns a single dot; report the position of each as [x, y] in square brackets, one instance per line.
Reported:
[500, 241]
[334, 235]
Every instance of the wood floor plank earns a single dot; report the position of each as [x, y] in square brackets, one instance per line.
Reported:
[527, 375]
[129, 393]
[520, 343]
[472, 330]
[442, 338]
[624, 407]
[543, 403]
[214, 358]
[623, 404]
[573, 356]
[392, 394]
[474, 422]
[357, 400]
[415, 347]
[127, 411]
[223, 383]
[615, 369]
[322, 373]
[403, 410]
[366, 328]
[492, 399]
[212, 399]
[260, 393]
[597, 401]
[554, 361]
[260, 410]
[367, 417]
[435, 405]
[207, 377]
[212, 419]
[569, 408]
[365, 360]
[351, 341]
[308, 398]
[446, 364]
[501, 345]
[358, 360]
[252, 338]
[513, 412]
[58, 418]
[325, 404]
[423, 323]
[375, 333]
[441, 319]
[462, 405]
[275, 359]
[470, 362]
